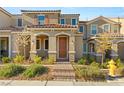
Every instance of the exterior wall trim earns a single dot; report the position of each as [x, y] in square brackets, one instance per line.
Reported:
[120, 41]
[41, 33]
[62, 33]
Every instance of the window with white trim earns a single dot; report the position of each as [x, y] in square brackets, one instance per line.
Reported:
[41, 19]
[106, 27]
[93, 29]
[46, 45]
[81, 28]
[19, 22]
[115, 29]
[62, 21]
[74, 22]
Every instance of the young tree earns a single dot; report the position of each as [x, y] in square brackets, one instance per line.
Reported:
[22, 40]
[103, 45]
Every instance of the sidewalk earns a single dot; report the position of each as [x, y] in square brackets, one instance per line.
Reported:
[59, 83]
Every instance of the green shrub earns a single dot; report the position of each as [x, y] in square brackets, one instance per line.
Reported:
[94, 64]
[90, 59]
[19, 59]
[6, 59]
[49, 60]
[37, 60]
[82, 61]
[104, 65]
[34, 70]
[10, 70]
[92, 74]
[119, 63]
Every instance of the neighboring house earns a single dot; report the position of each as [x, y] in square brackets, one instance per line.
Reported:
[62, 36]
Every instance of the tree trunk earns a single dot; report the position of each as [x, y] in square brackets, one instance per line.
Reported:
[102, 58]
[24, 52]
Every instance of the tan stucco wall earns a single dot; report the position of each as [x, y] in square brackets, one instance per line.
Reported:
[68, 19]
[122, 23]
[78, 47]
[121, 50]
[5, 20]
[31, 19]
[99, 24]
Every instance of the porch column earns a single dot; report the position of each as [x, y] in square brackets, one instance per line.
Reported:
[114, 51]
[9, 46]
[71, 48]
[33, 47]
[52, 47]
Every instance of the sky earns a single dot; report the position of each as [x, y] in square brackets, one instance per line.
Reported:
[86, 13]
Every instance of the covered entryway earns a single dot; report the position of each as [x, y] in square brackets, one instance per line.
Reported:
[121, 50]
[4, 47]
[62, 47]
[42, 45]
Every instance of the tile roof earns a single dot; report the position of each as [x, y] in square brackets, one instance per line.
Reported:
[40, 10]
[51, 26]
[70, 14]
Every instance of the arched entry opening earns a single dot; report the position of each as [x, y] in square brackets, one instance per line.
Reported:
[4, 47]
[121, 50]
[42, 45]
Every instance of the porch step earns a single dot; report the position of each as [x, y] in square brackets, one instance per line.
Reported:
[62, 62]
[63, 72]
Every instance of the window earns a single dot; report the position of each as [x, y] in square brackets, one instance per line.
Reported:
[46, 44]
[93, 29]
[19, 22]
[91, 47]
[115, 29]
[38, 44]
[74, 22]
[81, 29]
[41, 19]
[62, 21]
[84, 48]
[106, 27]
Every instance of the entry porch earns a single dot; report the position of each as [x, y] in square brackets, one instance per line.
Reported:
[60, 46]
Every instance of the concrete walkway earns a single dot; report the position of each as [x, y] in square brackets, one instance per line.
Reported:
[58, 83]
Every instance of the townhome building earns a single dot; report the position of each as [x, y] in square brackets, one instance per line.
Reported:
[62, 36]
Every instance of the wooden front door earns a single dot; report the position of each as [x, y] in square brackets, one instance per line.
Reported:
[63, 47]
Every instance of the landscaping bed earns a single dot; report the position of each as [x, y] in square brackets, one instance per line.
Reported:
[89, 73]
[12, 71]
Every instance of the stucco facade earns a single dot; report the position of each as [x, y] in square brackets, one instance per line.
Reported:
[58, 35]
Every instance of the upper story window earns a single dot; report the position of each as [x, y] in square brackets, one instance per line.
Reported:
[115, 29]
[106, 27]
[81, 29]
[62, 21]
[41, 19]
[93, 29]
[19, 22]
[74, 21]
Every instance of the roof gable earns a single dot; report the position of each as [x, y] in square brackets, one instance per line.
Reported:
[5, 12]
[102, 18]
